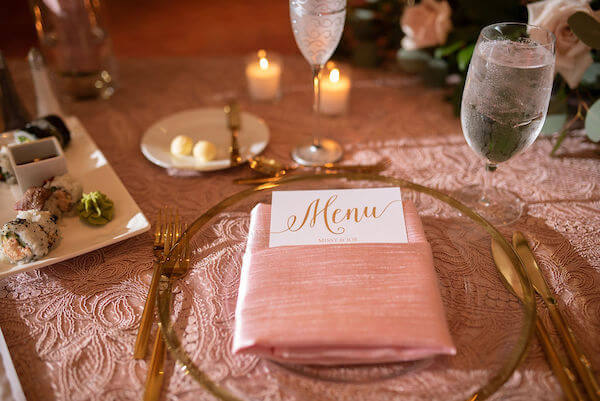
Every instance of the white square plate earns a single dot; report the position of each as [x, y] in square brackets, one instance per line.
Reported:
[87, 164]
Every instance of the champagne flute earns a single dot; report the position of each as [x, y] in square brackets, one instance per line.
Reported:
[504, 106]
[317, 27]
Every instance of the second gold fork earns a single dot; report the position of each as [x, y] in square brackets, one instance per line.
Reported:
[163, 232]
[155, 375]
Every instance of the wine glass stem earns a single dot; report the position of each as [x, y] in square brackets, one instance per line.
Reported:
[316, 70]
[487, 183]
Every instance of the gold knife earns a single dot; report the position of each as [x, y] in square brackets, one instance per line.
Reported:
[356, 168]
[565, 377]
[579, 359]
[234, 123]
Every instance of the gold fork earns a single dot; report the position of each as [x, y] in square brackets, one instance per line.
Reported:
[155, 376]
[162, 231]
[232, 113]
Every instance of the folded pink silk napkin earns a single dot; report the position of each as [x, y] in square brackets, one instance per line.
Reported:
[339, 304]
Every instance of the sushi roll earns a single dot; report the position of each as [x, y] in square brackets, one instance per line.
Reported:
[7, 174]
[51, 125]
[46, 220]
[39, 198]
[22, 241]
[66, 192]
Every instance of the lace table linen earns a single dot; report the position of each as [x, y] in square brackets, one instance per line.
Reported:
[71, 327]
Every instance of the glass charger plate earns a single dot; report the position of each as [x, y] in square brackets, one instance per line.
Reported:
[490, 327]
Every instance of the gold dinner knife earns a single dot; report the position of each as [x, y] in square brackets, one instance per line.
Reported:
[234, 123]
[565, 377]
[579, 359]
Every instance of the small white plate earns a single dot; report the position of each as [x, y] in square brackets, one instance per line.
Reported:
[207, 124]
[87, 164]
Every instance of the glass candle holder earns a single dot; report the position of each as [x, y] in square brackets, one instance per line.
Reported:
[335, 89]
[263, 75]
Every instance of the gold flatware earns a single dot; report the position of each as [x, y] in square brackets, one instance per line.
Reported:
[234, 123]
[161, 231]
[155, 376]
[273, 168]
[579, 359]
[355, 168]
[269, 167]
[565, 376]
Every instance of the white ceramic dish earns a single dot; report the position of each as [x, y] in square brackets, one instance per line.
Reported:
[87, 164]
[34, 173]
[206, 124]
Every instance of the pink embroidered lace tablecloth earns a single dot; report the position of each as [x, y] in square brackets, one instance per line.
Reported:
[71, 327]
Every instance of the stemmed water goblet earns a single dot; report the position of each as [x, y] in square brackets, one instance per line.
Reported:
[504, 106]
[317, 27]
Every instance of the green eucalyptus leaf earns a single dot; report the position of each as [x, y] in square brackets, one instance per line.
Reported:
[592, 122]
[553, 123]
[464, 56]
[586, 27]
[447, 50]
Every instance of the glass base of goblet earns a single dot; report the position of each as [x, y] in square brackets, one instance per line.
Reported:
[310, 154]
[500, 207]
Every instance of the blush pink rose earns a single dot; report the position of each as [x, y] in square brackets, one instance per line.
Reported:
[426, 24]
[572, 55]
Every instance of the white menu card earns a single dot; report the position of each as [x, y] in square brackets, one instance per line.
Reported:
[337, 216]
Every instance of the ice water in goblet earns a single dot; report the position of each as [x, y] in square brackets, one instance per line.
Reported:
[317, 27]
[504, 106]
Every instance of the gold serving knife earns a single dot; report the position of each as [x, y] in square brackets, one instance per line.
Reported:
[579, 359]
[565, 377]
[234, 123]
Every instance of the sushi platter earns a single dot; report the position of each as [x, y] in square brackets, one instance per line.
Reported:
[40, 226]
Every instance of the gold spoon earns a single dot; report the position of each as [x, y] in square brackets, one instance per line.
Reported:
[273, 168]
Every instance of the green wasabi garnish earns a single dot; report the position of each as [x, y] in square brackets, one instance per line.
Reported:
[95, 208]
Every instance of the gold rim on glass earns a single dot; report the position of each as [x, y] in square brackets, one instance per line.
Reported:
[528, 301]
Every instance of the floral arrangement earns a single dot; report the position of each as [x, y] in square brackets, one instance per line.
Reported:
[439, 38]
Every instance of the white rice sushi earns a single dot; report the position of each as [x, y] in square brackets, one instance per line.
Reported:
[46, 220]
[66, 192]
[22, 241]
[6, 172]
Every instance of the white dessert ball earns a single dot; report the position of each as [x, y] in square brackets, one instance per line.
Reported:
[182, 145]
[204, 151]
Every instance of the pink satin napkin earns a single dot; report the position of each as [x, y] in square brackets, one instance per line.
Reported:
[339, 304]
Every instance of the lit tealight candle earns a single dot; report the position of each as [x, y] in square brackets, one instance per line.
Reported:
[263, 75]
[335, 91]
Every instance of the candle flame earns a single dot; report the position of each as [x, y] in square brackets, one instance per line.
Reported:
[263, 63]
[334, 75]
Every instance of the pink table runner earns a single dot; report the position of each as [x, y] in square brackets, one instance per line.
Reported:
[71, 327]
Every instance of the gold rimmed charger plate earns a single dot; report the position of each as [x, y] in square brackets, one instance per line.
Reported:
[495, 381]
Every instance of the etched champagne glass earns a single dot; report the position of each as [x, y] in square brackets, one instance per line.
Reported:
[317, 27]
[504, 106]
